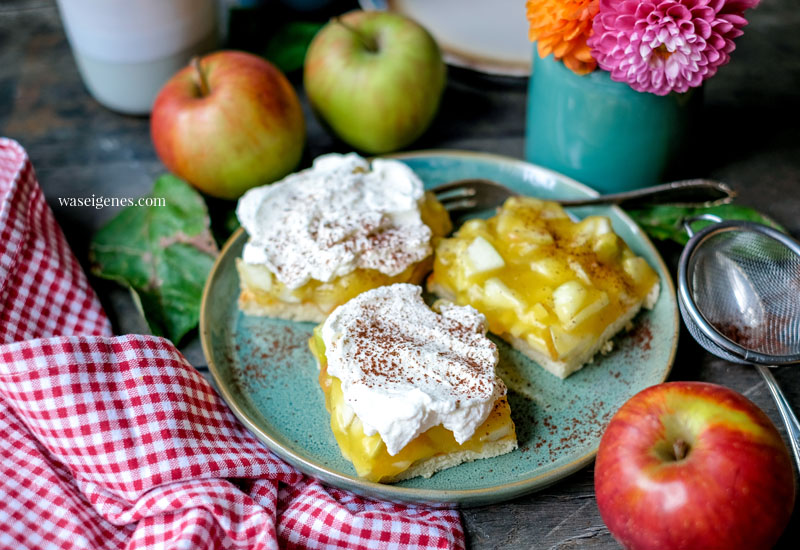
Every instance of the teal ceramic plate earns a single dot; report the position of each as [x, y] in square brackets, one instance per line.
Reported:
[267, 375]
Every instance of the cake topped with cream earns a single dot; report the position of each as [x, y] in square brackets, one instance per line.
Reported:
[341, 214]
[405, 368]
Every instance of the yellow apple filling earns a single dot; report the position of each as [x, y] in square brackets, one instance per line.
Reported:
[260, 287]
[369, 454]
[552, 286]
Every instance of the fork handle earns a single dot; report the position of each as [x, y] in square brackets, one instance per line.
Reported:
[695, 192]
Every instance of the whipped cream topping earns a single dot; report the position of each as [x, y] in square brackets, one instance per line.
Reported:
[405, 368]
[338, 215]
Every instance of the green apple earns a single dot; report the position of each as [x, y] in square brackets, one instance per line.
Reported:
[375, 78]
[228, 122]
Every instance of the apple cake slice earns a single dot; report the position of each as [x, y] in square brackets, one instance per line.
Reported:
[410, 390]
[556, 290]
[322, 236]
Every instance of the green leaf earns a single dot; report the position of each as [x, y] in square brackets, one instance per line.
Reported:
[162, 253]
[665, 222]
[231, 222]
[288, 46]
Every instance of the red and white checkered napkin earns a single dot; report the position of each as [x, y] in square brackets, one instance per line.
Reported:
[117, 442]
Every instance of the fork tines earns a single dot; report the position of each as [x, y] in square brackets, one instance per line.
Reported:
[455, 196]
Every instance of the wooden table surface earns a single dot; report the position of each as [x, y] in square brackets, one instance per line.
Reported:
[750, 140]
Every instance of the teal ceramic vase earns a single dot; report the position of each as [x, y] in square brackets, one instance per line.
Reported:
[604, 133]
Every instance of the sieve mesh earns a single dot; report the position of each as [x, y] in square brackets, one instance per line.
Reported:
[746, 285]
[708, 344]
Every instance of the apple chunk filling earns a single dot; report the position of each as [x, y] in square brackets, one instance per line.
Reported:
[556, 289]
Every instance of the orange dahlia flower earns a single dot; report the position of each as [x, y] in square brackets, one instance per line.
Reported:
[561, 27]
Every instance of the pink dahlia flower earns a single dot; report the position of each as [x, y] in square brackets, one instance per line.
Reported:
[663, 45]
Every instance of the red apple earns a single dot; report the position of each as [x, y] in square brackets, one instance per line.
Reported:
[228, 122]
[690, 465]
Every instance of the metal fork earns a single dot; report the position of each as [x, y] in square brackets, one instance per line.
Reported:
[476, 194]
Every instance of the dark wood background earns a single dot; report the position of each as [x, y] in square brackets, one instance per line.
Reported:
[749, 139]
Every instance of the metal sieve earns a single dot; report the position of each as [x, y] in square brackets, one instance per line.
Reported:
[739, 295]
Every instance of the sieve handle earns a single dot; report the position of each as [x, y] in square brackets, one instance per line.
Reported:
[687, 222]
[785, 410]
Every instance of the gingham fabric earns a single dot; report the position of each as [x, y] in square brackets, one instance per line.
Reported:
[117, 442]
[43, 291]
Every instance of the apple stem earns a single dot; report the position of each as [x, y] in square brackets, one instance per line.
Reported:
[680, 448]
[202, 83]
[369, 43]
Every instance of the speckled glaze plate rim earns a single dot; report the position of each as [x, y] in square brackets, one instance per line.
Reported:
[430, 497]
